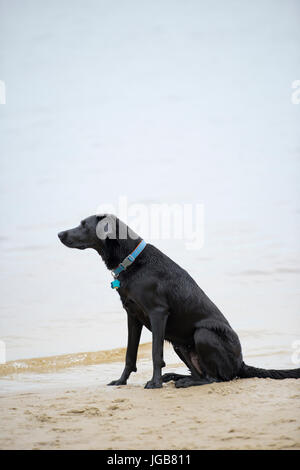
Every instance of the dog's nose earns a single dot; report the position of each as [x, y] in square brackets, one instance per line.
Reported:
[61, 235]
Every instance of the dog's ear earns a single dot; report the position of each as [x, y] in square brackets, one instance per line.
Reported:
[106, 227]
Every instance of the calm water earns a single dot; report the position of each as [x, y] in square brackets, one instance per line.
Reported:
[159, 102]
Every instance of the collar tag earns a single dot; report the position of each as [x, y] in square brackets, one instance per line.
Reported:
[115, 284]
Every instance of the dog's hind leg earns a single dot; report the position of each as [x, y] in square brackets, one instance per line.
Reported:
[218, 354]
[173, 376]
[189, 381]
[186, 356]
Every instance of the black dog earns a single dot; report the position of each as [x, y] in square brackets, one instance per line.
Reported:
[160, 295]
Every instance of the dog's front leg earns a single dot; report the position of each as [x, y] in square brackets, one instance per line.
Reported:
[134, 334]
[158, 322]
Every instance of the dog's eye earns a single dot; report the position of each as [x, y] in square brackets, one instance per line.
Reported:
[82, 223]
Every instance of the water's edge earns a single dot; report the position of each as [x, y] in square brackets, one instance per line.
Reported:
[66, 361]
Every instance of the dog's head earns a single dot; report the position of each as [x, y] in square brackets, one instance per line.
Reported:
[105, 233]
[83, 236]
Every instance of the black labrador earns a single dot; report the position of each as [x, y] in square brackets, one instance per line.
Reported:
[160, 295]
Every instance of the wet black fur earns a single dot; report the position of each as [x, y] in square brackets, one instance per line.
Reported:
[160, 295]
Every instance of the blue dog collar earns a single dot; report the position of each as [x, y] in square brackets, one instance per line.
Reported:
[127, 262]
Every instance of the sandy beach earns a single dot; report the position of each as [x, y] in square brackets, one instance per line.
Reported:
[242, 414]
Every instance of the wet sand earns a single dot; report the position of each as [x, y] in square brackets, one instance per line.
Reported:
[242, 414]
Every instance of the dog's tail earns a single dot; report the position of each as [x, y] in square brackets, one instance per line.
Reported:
[247, 372]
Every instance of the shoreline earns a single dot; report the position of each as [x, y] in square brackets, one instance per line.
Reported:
[59, 362]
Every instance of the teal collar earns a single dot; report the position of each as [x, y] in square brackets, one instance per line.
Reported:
[127, 262]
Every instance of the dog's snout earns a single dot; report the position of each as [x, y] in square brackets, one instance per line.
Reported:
[61, 235]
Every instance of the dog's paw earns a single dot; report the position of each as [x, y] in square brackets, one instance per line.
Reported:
[182, 383]
[118, 382]
[153, 384]
[168, 377]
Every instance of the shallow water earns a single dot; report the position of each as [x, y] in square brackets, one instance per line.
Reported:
[160, 102]
[99, 368]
